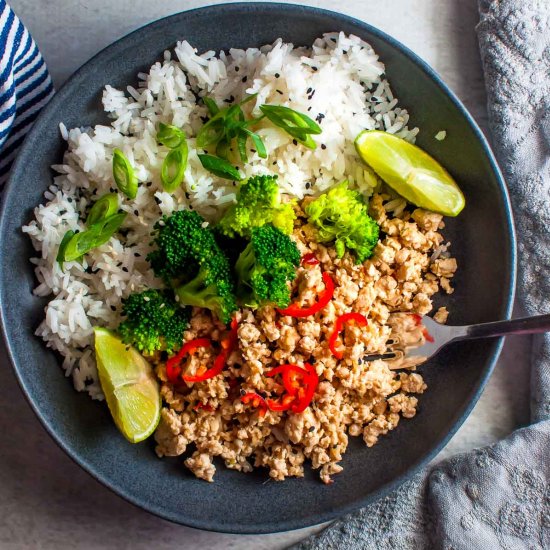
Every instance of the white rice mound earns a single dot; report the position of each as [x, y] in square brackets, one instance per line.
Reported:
[339, 82]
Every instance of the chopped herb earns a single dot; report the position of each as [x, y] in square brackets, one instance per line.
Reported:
[170, 136]
[296, 124]
[124, 175]
[105, 206]
[220, 167]
[173, 167]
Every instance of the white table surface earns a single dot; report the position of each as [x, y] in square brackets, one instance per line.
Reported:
[49, 502]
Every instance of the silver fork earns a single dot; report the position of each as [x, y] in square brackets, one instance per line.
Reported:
[437, 335]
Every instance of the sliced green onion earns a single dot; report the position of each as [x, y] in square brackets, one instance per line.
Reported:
[220, 167]
[105, 206]
[170, 136]
[173, 168]
[60, 258]
[108, 227]
[222, 148]
[296, 124]
[258, 143]
[124, 176]
[241, 143]
[211, 105]
[98, 234]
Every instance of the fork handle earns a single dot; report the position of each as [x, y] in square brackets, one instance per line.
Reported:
[527, 325]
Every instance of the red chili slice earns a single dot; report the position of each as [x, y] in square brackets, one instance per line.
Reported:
[173, 367]
[300, 385]
[309, 259]
[255, 400]
[204, 406]
[358, 318]
[325, 297]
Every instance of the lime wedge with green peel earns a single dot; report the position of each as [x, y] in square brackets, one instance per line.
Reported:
[129, 385]
[410, 171]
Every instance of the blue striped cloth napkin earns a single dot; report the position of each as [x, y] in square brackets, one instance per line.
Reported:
[25, 86]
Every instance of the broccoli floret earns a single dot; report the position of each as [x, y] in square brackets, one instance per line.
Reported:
[265, 267]
[341, 216]
[258, 203]
[190, 260]
[154, 321]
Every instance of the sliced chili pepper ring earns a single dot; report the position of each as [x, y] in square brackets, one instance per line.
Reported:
[358, 318]
[325, 297]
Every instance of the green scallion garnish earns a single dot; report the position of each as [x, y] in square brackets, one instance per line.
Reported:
[173, 167]
[220, 167]
[80, 243]
[105, 206]
[124, 175]
[296, 124]
[170, 136]
[60, 258]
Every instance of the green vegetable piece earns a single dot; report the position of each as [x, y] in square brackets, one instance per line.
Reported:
[411, 172]
[341, 216]
[153, 322]
[108, 227]
[211, 105]
[104, 207]
[296, 124]
[124, 175]
[190, 260]
[60, 258]
[258, 143]
[170, 136]
[265, 268]
[258, 203]
[220, 167]
[173, 167]
[98, 234]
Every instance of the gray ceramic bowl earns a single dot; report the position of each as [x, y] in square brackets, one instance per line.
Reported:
[482, 237]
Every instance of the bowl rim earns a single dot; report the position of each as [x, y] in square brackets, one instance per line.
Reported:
[286, 9]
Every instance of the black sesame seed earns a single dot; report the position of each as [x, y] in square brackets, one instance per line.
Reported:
[308, 185]
[244, 78]
[344, 52]
[157, 200]
[279, 92]
[113, 308]
[137, 255]
[277, 75]
[253, 150]
[187, 195]
[69, 199]
[237, 69]
[295, 142]
[243, 392]
[308, 91]
[125, 269]
[312, 429]
[314, 69]
[309, 108]
[323, 146]
[274, 163]
[136, 213]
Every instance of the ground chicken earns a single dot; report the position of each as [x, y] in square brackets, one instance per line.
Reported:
[353, 397]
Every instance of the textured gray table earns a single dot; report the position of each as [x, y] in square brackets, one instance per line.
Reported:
[46, 500]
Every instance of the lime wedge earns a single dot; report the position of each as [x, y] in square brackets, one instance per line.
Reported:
[410, 171]
[129, 384]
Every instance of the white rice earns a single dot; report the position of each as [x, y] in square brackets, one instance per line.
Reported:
[339, 82]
